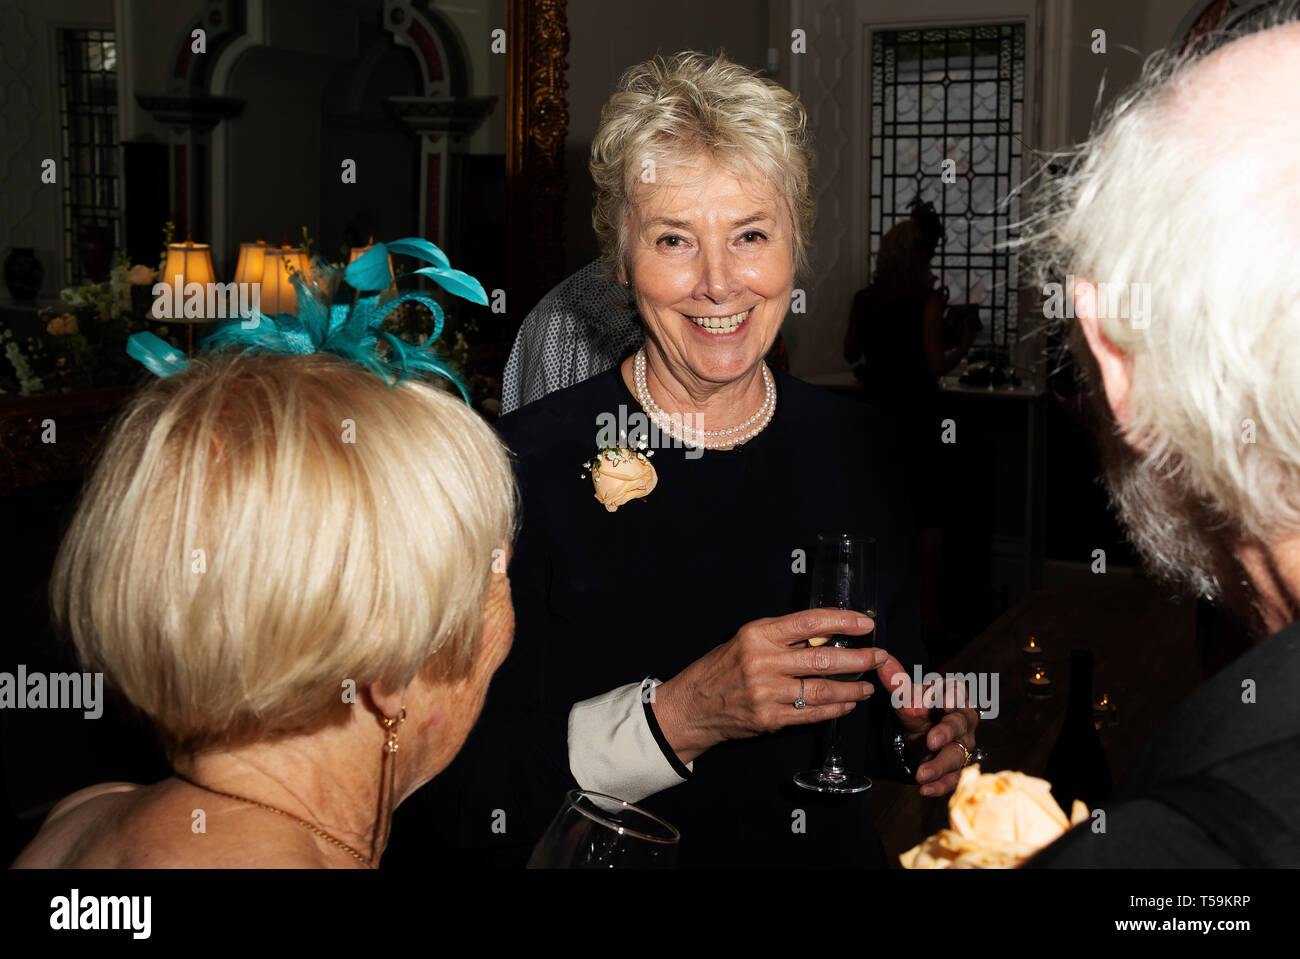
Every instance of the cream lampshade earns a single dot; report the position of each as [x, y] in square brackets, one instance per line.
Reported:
[279, 264]
[249, 267]
[188, 262]
[192, 263]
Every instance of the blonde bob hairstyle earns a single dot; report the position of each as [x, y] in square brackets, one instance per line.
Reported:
[263, 528]
[664, 112]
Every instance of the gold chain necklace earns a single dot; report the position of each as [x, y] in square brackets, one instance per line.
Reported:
[267, 806]
[387, 771]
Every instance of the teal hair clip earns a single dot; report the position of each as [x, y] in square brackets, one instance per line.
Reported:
[352, 331]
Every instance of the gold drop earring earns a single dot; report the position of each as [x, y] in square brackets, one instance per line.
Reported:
[388, 771]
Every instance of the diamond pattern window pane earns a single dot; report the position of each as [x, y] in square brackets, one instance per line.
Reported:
[88, 113]
[954, 93]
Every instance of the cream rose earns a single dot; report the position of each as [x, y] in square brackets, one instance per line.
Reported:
[65, 324]
[621, 475]
[140, 275]
[997, 821]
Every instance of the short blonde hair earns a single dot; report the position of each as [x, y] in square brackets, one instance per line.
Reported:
[667, 110]
[263, 528]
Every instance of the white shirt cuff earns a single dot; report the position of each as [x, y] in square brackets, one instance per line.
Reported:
[613, 751]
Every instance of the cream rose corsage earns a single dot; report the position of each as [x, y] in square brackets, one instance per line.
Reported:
[620, 474]
[996, 821]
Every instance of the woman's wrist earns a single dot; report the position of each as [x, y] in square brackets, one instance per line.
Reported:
[684, 737]
[647, 706]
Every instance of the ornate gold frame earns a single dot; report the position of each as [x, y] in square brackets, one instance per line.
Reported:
[537, 121]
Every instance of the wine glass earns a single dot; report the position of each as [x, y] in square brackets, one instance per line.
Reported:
[595, 831]
[843, 577]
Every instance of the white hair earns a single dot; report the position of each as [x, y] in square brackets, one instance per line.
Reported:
[1206, 223]
[666, 110]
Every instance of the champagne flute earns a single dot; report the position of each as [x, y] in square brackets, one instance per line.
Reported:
[595, 831]
[843, 577]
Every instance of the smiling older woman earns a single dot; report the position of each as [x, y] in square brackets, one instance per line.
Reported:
[285, 603]
[695, 576]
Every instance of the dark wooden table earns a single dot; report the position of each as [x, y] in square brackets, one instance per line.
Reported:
[1147, 659]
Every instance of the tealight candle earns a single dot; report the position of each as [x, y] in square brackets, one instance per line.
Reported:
[1032, 648]
[1040, 685]
[1103, 712]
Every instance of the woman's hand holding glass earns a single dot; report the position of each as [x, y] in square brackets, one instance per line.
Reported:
[749, 684]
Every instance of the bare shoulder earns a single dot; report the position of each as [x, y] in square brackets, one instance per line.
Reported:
[165, 826]
[69, 822]
[68, 803]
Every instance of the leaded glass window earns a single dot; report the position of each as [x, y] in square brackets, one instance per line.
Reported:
[953, 93]
[89, 173]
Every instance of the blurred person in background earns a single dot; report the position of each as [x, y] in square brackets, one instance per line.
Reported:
[896, 327]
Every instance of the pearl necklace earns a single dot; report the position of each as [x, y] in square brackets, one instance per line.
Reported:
[708, 439]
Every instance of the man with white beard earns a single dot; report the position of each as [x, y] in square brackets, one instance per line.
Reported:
[1188, 189]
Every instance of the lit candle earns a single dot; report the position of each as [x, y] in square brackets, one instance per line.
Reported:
[1103, 712]
[1040, 685]
[1032, 647]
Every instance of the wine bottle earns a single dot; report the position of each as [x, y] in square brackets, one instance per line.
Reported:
[1077, 767]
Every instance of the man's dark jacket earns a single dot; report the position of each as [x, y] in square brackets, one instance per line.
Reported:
[1217, 784]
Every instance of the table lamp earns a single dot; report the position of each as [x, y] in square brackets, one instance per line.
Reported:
[279, 264]
[249, 267]
[188, 262]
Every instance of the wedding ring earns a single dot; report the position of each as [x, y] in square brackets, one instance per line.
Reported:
[799, 703]
[965, 753]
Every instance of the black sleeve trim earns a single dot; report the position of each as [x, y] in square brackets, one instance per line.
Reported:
[647, 697]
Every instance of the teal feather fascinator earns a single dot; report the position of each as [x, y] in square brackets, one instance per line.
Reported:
[352, 331]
